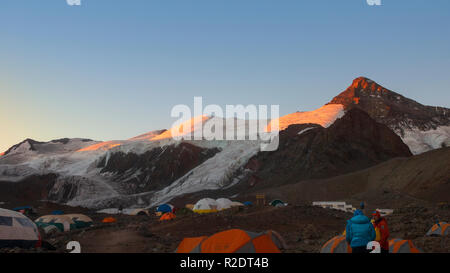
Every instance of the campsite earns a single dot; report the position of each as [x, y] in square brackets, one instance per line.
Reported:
[251, 128]
[303, 228]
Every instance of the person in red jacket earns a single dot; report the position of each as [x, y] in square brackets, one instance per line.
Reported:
[380, 224]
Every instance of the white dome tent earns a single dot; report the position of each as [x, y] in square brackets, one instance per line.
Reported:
[236, 204]
[205, 205]
[223, 203]
[16, 230]
[140, 212]
[80, 220]
[62, 222]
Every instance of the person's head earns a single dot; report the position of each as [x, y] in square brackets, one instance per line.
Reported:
[362, 205]
[376, 215]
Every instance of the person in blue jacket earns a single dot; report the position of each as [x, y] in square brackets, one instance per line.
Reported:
[359, 232]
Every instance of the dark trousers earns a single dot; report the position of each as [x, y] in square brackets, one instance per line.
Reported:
[360, 249]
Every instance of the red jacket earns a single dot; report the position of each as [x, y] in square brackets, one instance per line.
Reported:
[382, 225]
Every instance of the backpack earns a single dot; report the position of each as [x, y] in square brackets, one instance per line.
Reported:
[377, 231]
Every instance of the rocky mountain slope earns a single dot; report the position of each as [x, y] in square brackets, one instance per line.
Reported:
[398, 182]
[353, 142]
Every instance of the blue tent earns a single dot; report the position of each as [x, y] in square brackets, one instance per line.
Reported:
[22, 208]
[57, 212]
[248, 203]
[164, 208]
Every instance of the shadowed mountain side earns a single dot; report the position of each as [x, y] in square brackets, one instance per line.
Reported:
[34, 187]
[307, 151]
[154, 169]
[418, 180]
[397, 182]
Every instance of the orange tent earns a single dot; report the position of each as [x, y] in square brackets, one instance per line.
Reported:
[233, 241]
[439, 229]
[167, 216]
[188, 244]
[336, 244]
[109, 220]
[403, 246]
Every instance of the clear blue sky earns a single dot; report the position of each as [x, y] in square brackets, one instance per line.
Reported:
[112, 69]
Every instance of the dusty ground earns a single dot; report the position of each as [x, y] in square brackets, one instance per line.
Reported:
[303, 227]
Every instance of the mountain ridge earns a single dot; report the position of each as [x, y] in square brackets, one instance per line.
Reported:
[364, 125]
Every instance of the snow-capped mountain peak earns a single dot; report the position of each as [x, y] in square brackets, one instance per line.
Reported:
[57, 146]
[324, 116]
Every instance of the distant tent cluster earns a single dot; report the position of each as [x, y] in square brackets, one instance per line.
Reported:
[160, 211]
[205, 205]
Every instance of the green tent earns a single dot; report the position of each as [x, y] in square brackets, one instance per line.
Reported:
[62, 222]
[184, 211]
[277, 203]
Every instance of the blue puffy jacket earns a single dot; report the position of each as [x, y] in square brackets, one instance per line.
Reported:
[359, 230]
